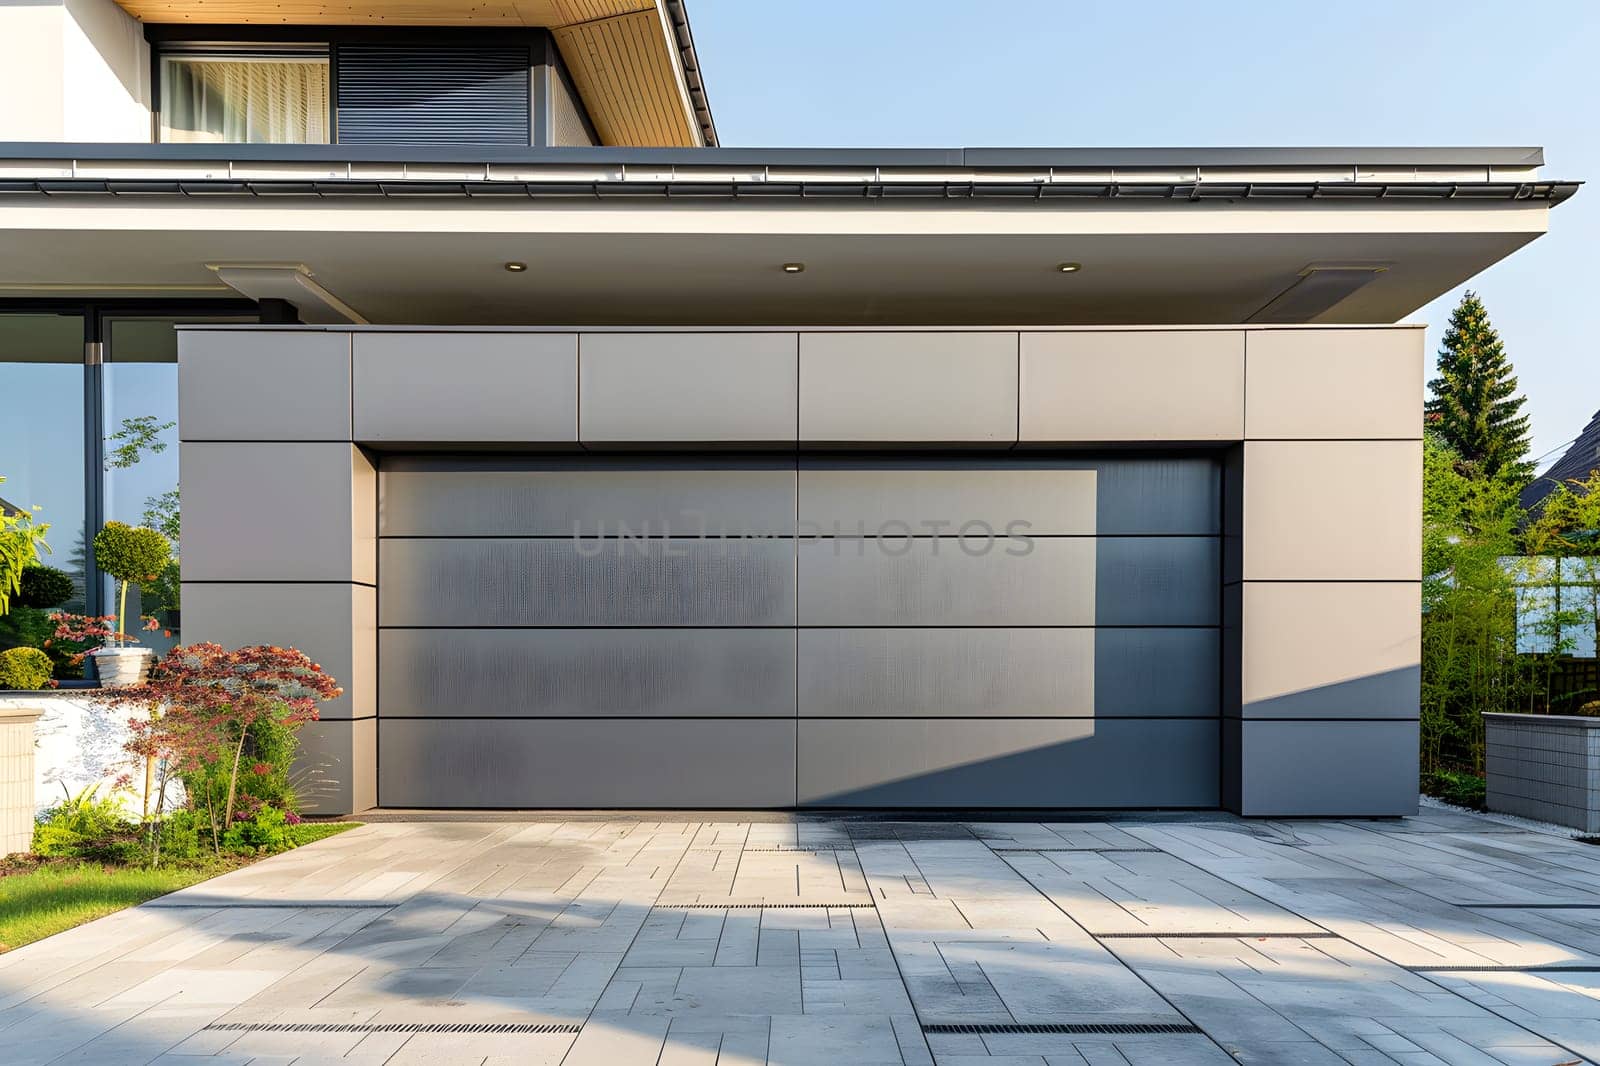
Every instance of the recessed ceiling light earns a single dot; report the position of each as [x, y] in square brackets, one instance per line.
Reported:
[794, 268]
[516, 268]
[1069, 268]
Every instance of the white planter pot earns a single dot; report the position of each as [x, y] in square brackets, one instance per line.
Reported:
[121, 667]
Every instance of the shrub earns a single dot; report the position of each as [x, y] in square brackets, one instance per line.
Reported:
[44, 586]
[35, 627]
[181, 839]
[267, 832]
[165, 593]
[1590, 709]
[1454, 786]
[87, 826]
[20, 544]
[209, 707]
[24, 668]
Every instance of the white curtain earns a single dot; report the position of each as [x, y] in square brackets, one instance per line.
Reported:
[244, 100]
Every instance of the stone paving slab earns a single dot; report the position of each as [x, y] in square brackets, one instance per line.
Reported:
[1199, 939]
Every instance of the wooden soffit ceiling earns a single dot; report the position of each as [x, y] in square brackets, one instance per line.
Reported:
[621, 53]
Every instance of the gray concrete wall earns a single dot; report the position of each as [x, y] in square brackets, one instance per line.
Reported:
[1545, 767]
[1316, 658]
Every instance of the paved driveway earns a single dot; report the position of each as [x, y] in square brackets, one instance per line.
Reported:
[1193, 939]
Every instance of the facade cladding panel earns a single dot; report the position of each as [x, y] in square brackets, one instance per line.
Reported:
[864, 630]
[557, 595]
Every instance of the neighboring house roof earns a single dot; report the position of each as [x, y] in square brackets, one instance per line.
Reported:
[8, 508]
[1580, 460]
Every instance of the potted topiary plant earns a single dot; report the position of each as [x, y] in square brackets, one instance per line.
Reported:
[131, 555]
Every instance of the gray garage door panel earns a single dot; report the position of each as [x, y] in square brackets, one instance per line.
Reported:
[1009, 763]
[1056, 581]
[657, 673]
[444, 496]
[1166, 495]
[555, 582]
[923, 495]
[1008, 673]
[936, 582]
[567, 763]
[524, 664]
[888, 673]
[1157, 672]
[1158, 581]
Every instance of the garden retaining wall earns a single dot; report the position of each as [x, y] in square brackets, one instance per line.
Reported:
[16, 776]
[1545, 767]
[76, 743]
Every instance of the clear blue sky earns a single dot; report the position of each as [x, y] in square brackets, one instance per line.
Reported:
[936, 73]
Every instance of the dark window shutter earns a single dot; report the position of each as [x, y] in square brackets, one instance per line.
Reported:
[433, 94]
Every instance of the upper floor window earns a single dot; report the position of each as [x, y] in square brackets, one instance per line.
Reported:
[277, 96]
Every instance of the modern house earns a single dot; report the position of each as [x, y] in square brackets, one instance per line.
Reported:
[607, 467]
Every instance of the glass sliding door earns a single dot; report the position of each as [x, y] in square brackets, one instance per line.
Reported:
[42, 440]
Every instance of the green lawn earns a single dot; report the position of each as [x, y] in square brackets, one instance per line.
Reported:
[58, 895]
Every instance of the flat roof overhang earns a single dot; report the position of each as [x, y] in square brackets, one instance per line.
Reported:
[633, 61]
[905, 237]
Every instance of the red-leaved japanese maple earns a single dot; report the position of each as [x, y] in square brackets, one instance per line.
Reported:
[202, 701]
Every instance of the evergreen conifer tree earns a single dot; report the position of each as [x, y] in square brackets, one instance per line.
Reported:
[1475, 403]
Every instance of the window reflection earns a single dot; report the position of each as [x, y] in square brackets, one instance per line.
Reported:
[140, 428]
[41, 432]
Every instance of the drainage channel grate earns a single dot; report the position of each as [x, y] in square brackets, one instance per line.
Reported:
[300, 905]
[391, 1027]
[802, 848]
[761, 906]
[1530, 906]
[1090, 851]
[1235, 935]
[1071, 1028]
[1504, 969]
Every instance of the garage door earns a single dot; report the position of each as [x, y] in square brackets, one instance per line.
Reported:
[714, 631]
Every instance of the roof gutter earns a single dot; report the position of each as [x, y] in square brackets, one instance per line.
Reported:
[1549, 192]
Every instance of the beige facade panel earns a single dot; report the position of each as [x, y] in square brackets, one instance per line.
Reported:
[1330, 649]
[687, 387]
[335, 624]
[278, 512]
[1320, 769]
[1332, 510]
[281, 385]
[1132, 386]
[465, 386]
[1334, 383]
[908, 388]
[338, 763]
